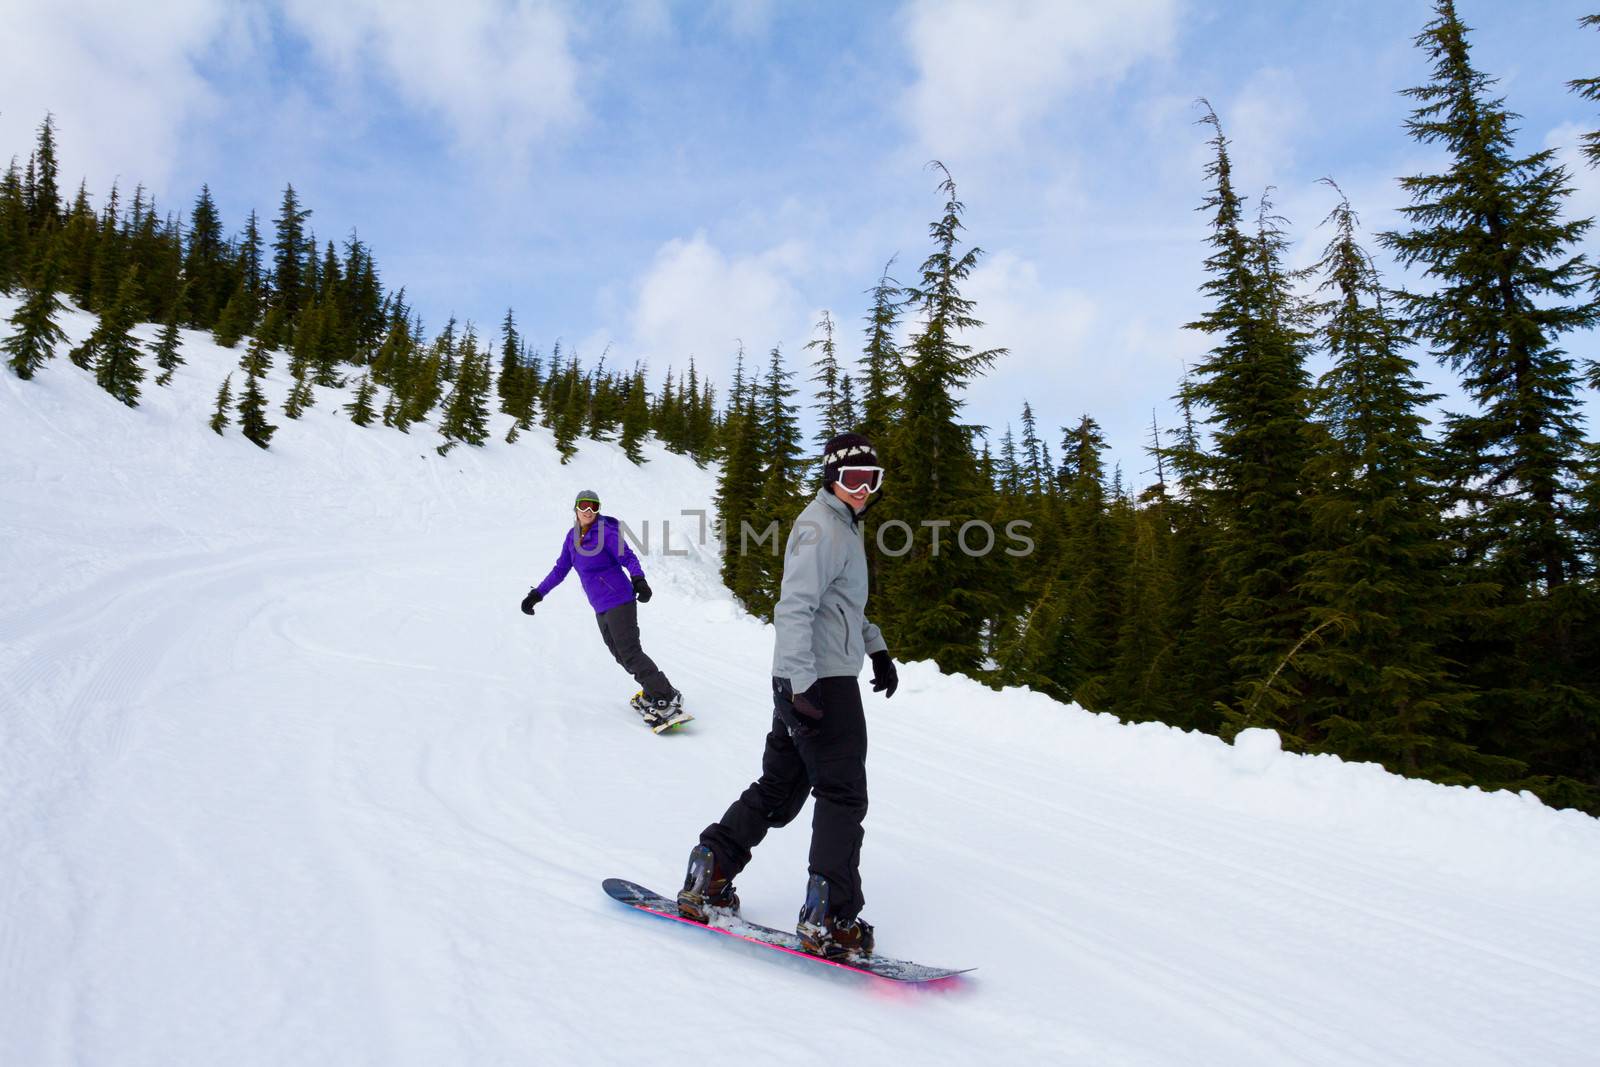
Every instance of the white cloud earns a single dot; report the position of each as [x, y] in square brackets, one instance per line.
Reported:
[1262, 123]
[501, 75]
[696, 300]
[1045, 329]
[122, 80]
[1585, 199]
[988, 69]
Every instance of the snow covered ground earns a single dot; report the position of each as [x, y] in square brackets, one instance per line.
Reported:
[286, 778]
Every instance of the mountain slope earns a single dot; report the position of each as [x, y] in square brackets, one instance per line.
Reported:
[285, 777]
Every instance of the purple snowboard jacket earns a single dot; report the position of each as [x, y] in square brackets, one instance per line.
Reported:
[600, 558]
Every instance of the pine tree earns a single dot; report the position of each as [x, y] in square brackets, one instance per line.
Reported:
[1490, 232]
[510, 385]
[14, 243]
[46, 202]
[1589, 89]
[830, 414]
[1256, 389]
[253, 414]
[635, 418]
[936, 598]
[777, 450]
[236, 319]
[204, 264]
[466, 412]
[34, 330]
[291, 290]
[166, 350]
[1380, 579]
[360, 409]
[880, 362]
[116, 352]
[219, 416]
[257, 358]
[301, 395]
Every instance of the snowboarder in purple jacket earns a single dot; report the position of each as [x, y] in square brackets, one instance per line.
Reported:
[614, 582]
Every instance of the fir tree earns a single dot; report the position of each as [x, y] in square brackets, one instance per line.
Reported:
[937, 600]
[46, 201]
[204, 264]
[1256, 389]
[635, 419]
[257, 358]
[510, 384]
[1490, 232]
[116, 352]
[830, 416]
[880, 362]
[466, 412]
[360, 409]
[253, 414]
[219, 415]
[13, 231]
[167, 348]
[34, 330]
[290, 286]
[1380, 580]
[236, 319]
[1589, 89]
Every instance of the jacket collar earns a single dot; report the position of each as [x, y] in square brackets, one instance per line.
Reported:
[840, 508]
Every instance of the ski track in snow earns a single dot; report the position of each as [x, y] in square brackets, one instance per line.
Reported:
[286, 778]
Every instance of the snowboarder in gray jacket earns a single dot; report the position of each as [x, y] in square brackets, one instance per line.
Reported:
[818, 741]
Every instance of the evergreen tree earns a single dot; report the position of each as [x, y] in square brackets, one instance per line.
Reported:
[205, 267]
[936, 598]
[116, 352]
[1490, 232]
[253, 414]
[79, 241]
[34, 330]
[466, 412]
[219, 415]
[758, 572]
[880, 361]
[360, 409]
[1255, 386]
[1380, 580]
[13, 231]
[291, 290]
[635, 418]
[829, 406]
[236, 319]
[509, 387]
[1589, 89]
[46, 201]
[166, 350]
[257, 358]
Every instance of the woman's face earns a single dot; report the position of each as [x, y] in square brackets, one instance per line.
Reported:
[586, 512]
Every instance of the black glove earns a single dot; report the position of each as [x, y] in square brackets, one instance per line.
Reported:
[885, 678]
[641, 589]
[530, 600]
[798, 711]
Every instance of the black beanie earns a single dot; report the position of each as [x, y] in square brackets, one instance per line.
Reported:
[846, 450]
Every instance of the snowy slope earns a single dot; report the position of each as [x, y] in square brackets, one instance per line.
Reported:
[285, 777]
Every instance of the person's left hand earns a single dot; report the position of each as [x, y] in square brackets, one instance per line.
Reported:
[641, 589]
[885, 678]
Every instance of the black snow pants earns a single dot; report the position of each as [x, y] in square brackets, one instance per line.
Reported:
[831, 766]
[619, 626]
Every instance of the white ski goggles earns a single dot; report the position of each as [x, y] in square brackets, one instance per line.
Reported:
[855, 479]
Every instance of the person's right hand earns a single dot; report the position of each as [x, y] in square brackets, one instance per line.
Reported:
[530, 600]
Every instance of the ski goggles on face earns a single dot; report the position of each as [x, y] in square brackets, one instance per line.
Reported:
[588, 505]
[855, 479]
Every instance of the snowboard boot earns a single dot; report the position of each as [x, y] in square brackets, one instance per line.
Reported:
[707, 890]
[664, 708]
[645, 707]
[823, 933]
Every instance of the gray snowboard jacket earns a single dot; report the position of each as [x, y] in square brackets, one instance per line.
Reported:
[821, 616]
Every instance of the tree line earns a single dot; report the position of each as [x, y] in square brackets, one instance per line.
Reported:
[1313, 556]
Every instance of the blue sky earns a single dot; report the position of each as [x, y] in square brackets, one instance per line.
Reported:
[673, 178]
